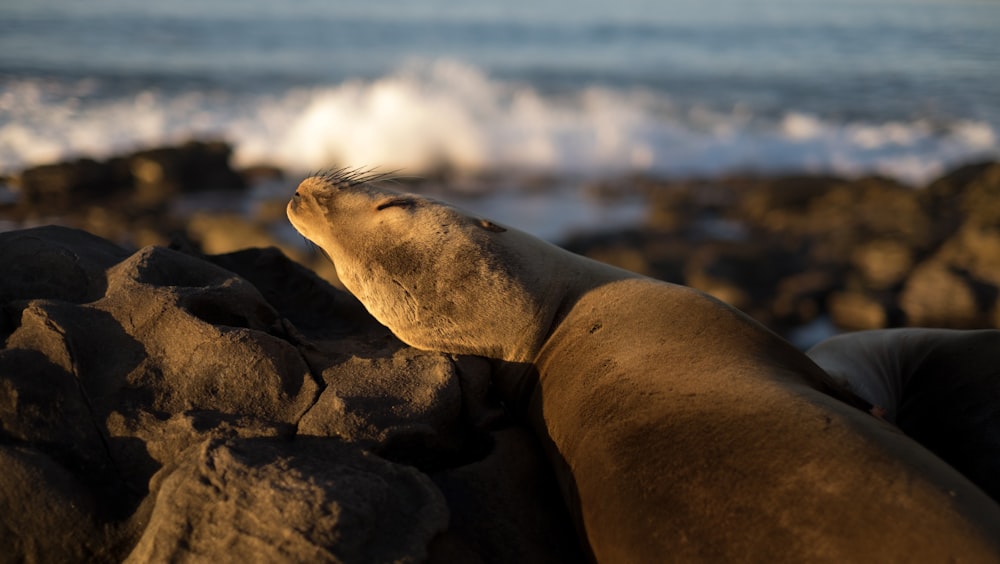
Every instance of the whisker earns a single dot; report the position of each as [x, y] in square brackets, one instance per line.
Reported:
[351, 176]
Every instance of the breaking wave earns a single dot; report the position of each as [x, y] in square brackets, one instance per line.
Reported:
[449, 114]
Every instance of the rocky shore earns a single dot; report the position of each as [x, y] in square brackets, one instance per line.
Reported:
[792, 251]
[177, 385]
[866, 253]
[160, 405]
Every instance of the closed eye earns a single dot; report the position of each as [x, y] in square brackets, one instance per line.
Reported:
[396, 202]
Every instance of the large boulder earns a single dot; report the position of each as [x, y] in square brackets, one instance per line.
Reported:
[164, 405]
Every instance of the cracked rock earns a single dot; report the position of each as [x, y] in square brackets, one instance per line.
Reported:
[308, 500]
[159, 405]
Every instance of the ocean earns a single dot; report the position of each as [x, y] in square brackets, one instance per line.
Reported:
[672, 88]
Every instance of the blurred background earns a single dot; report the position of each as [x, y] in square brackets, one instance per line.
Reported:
[900, 87]
[638, 131]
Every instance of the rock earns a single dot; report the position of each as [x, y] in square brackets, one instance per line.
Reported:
[837, 214]
[981, 197]
[480, 408]
[308, 500]
[142, 442]
[46, 514]
[633, 260]
[58, 188]
[649, 252]
[959, 285]
[975, 250]
[55, 263]
[163, 173]
[384, 400]
[744, 274]
[966, 205]
[781, 205]
[800, 297]
[220, 233]
[955, 181]
[164, 406]
[126, 225]
[144, 180]
[855, 311]
[795, 246]
[673, 208]
[937, 296]
[882, 263]
[209, 340]
[865, 210]
[299, 295]
[968, 193]
[172, 334]
[42, 404]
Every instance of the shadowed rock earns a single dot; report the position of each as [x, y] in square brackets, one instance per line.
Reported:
[46, 514]
[505, 490]
[268, 500]
[159, 405]
[375, 398]
[55, 262]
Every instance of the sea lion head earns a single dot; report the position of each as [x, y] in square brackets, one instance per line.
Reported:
[440, 278]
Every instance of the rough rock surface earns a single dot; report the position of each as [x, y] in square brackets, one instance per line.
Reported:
[308, 500]
[162, 405]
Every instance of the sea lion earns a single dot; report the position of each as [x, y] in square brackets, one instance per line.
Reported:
[679, 428]
[940, 386]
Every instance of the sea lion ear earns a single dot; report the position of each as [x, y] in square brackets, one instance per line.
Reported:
[490, 226]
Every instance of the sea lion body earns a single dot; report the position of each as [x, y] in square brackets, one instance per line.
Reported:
[679, 428]
[940, 386]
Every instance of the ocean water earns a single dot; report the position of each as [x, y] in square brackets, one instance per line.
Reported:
[904, 88]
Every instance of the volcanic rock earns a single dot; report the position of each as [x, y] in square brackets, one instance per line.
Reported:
[161, 405]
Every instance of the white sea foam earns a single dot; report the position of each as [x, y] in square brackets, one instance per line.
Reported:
[447, 113]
